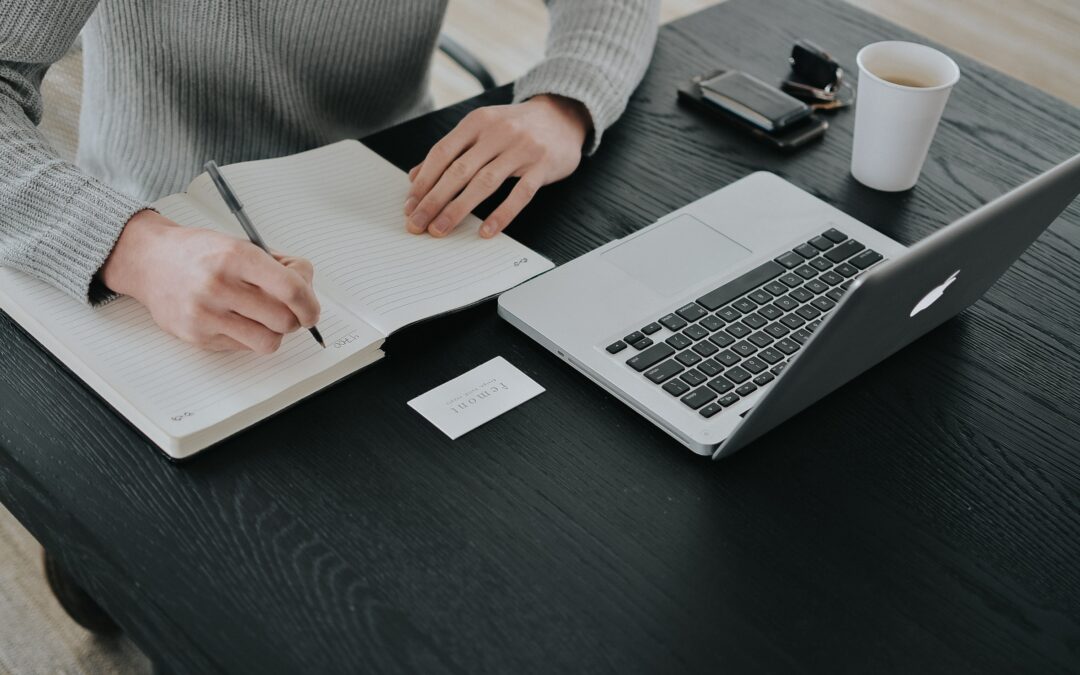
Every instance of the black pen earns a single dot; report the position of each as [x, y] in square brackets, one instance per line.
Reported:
[230, 199]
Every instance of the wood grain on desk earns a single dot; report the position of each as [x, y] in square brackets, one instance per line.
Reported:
[923, 518]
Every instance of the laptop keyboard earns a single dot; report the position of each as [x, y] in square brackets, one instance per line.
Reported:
[737, 338]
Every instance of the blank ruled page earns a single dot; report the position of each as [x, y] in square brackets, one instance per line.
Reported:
[341, 207]
[176, 386]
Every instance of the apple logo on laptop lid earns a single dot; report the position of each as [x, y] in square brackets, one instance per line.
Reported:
[935, 293]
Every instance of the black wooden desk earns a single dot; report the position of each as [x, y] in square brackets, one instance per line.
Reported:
[926, 517]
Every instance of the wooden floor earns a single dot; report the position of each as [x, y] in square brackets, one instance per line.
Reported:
[1034, 40]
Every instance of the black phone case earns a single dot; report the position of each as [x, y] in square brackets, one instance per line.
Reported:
[789, 138]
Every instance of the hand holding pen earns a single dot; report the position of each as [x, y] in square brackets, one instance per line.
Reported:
[237, 208]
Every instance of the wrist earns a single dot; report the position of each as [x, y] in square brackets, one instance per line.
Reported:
[123, 269]
[571, 110]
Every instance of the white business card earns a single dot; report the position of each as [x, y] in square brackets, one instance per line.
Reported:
[480, 395]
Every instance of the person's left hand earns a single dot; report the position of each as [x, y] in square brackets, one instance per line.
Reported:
[538, 141]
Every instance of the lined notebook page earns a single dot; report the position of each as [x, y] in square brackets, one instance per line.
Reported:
[178, 387]
[341, 207]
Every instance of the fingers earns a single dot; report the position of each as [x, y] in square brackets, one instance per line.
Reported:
[482, 186]
[255, 304]
[428, 214]
[223, 343]
[521, 195]
[302, 266]
[438, 160]
[286, 284]
[247, 333]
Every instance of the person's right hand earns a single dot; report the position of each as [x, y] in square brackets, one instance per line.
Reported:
[210, 289]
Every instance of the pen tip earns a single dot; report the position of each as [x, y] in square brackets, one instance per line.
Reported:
[318, 336]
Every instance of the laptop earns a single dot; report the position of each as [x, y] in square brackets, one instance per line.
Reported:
[735, 312]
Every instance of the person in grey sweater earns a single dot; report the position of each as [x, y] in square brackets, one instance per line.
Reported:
[171, 83]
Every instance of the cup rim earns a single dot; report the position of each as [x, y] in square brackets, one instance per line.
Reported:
[903, 87]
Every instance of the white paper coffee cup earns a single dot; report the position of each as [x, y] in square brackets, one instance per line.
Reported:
[903, 88]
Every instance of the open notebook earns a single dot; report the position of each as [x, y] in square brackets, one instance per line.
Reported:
[339, 206]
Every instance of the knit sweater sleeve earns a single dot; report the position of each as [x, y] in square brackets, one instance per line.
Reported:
[597, 52]
[57, 223]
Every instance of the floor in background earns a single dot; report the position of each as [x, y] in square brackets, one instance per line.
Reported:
[1034, 40]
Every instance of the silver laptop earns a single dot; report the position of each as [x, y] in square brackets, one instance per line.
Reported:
[735, 312]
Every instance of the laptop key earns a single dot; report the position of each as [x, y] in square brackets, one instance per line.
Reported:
[710, 410]
[832, 278]
[695, 332]
[788, 346]
[806, 272]
[777, 330]
[835, 294]
[775, 287]
[676, 387]
[679, 341]
[616, 347]
[761, 297]
[823, 303]
[801, 294]
[760, 338]
[746, 389]
[806, 250]
[865, 259]
[672, 322]
[692, 378]
[729, 314]
[786, 304]
[770, 356]
[754, 365]
[770, 312]
[728, 357]
[721, 385]
[665, 371]
[716, 299]
[763, 379]
[633, 337]
[737, 375]
[844, 251]
[721, 339]
[778, 368]
[822, 243]
[705, 348]
[712, 323]
[808, 312]
[650, 357]
[816, 285]
[793, 321]
[643, 343]
[688, 358]
[754, 320]
[691, 312]
[738, 330]
[812, 326]
[651, 328]
[791, 280]
[790, 260]
[800, 336]
[743, 348]
[820, 264]
[698, 397]
[710, 368]
[834, 235]
[728, 400]
[846, 270]
[744, 305]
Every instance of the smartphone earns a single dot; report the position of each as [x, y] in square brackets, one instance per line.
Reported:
[793, 135]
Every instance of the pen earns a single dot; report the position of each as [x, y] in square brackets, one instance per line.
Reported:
[230, 199]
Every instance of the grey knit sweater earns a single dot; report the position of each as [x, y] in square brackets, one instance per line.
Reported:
[172, 83]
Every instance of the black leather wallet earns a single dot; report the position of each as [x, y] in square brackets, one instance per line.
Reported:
[753, 100]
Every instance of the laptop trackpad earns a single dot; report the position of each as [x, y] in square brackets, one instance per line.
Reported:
[677, 255]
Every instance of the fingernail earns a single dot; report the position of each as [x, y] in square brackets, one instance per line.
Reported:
[442, 224]
[488, 229]
[412, 227]
[410, 204]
